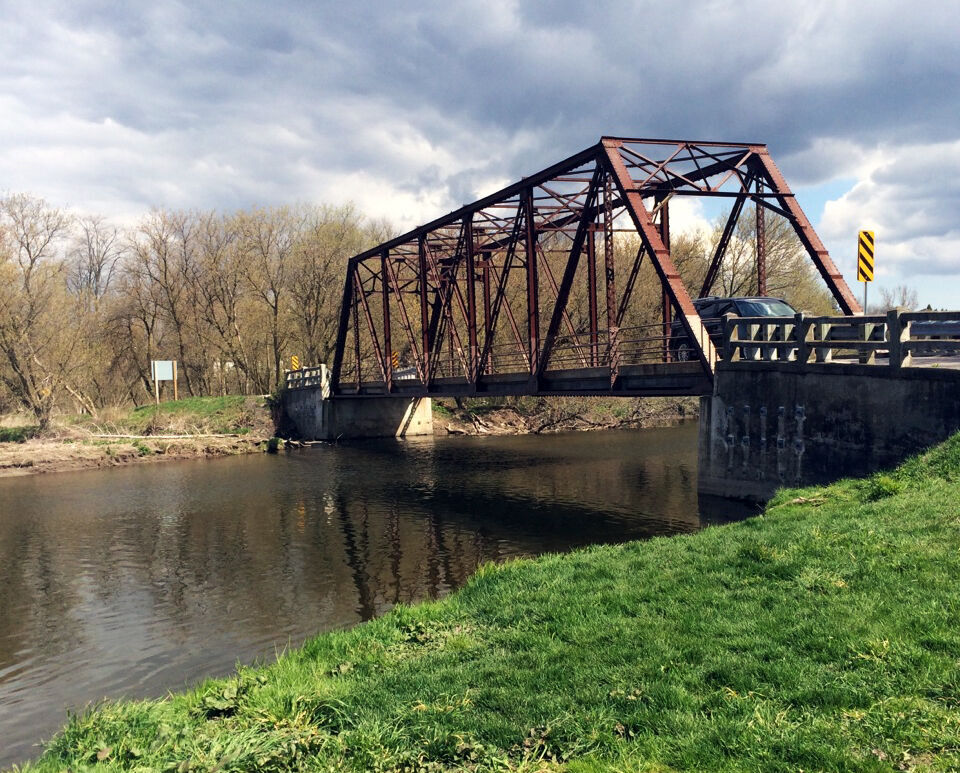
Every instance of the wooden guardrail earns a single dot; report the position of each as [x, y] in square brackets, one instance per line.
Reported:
[900, 335]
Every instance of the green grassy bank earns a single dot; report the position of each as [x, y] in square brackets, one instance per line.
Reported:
[821, 636]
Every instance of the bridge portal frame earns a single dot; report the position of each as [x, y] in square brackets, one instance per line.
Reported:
[447, 263]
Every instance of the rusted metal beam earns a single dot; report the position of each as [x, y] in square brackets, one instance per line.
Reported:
[424, 303]
[566, 283]
[511, 240]
[345, 303]
[533, 283]
[374, 338]
[721, 248]
[808, 237]
[613, 354]
[761, 246]
[664, 205]
[592, 296]
[660, 257]
[387, 340]
[498, 300]
[405, 321]
[471, 298]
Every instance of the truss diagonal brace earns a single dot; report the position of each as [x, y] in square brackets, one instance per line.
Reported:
[573, 261]
[808, 237]
[660, 257]
[718, 253]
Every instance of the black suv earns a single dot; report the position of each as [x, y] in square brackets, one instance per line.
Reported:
[713, 309]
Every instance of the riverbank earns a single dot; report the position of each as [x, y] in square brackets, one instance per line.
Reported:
[193, 428]
[210, 427]
[540, 415]
[823, 635]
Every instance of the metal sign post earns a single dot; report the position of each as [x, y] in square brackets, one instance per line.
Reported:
[865, 262]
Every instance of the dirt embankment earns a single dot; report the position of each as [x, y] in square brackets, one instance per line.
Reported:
[190, 429]
[558, 414]
[41, 455]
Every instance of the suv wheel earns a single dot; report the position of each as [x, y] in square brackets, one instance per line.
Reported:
[684, 352]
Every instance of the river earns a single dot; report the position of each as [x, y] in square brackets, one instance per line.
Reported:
[138, 581]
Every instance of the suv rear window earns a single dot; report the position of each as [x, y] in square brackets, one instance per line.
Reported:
[765, 308]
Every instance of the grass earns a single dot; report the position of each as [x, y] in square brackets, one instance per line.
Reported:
[19, 434]
[823, 635]
[222, 415]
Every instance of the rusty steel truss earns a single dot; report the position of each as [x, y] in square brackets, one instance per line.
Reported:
[526, 291]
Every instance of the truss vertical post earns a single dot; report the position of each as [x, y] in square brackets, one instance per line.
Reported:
[533, 298]
[405, 320]
[667, 306]
[424, 313]
[387, 343]
[592, 295]
[368, 316]
[345, 300]
[356, 326]
[471, 297]
[610, 281]
[487, 310]
[761, 246]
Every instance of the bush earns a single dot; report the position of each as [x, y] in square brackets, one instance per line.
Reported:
[17, 434]
[881, 486]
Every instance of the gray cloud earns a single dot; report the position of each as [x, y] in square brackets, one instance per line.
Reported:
[208, 104]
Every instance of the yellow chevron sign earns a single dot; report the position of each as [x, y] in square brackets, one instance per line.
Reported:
[865, 257]
[294, 363]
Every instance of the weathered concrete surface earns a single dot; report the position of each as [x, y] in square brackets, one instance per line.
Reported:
[771, 425]
[315, 418]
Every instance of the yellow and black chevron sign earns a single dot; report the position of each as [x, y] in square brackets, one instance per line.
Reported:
[865, 257]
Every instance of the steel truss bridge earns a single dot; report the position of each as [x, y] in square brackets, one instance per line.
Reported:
[562, 283]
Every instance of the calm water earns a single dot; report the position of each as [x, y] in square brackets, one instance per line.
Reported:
[138, 581]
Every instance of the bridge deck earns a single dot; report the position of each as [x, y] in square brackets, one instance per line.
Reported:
[652, 380]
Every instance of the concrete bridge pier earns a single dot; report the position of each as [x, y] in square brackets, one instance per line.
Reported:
[771, 425]
[315, 415]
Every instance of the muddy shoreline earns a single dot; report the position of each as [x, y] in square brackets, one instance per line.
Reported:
[43, 456]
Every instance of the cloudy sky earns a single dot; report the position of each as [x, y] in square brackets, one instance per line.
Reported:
[410, 109]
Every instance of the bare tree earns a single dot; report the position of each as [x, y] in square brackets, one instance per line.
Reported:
[268, 240]
[96, 252]
[900, 296]
[36, 341]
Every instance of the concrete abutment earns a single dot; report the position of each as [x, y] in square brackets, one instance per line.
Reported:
[317, 418]
[769, 426]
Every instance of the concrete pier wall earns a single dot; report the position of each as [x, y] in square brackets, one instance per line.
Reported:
[772, 425]
[316, 418]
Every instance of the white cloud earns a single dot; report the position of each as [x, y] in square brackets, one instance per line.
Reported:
[909, 196]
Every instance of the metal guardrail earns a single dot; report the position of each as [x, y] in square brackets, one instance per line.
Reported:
[900, 334]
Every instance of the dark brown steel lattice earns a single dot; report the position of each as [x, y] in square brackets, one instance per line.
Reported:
[509, 295]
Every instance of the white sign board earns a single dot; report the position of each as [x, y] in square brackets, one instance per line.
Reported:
[162, 370]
